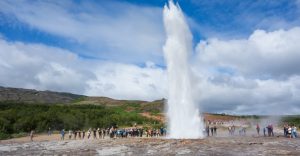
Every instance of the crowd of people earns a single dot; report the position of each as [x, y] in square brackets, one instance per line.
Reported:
[290, 131]
[268, 129]
[113, 133]
[211, 131]
[231, 130]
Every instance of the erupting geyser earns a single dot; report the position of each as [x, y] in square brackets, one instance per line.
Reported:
[184, 120]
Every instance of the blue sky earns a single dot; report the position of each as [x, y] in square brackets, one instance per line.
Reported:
[243, 49]
[208, 18]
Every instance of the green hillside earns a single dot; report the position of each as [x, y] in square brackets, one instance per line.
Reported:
[16, 118]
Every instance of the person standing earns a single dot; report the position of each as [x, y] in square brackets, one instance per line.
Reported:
[31, 135]
[75, 134]
[107, 131]
[94, 133]
[244, 131]
[285, 130]
[111, 132]
[289, 132]
[79, 134]
[83, 134]
[207, 130]
[215, 130]
[103, 133]
[257, 129]
[62, 133]
[294, 132]
[70, 134]
[49, 131]
[212, 131]
[233, 129]
[89, 133]
[142, 131]
[271, 128]
[162, 131]
[99, 133]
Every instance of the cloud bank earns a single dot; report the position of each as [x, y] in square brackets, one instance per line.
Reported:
[259, 74]
[42, 67]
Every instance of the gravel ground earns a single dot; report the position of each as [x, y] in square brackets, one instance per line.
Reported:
[236, 145]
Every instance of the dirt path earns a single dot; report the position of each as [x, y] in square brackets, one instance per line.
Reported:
[37, 137]
[159, 117]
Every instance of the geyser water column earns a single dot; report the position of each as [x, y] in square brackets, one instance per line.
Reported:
[184, 121]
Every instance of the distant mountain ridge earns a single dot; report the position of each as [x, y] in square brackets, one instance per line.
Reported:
[20, 95]
[31, 96]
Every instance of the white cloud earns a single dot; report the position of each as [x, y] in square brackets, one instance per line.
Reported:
[59, 77]
[128, 81]
[265, 97]
[258, 75]
[112, 30]
[39, 66]
[47, 68]
[262, 54]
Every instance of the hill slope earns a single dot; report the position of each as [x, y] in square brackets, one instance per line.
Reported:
[20, 95]
[31, 96]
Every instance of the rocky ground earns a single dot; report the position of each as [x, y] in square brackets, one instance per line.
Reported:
[236, 145]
